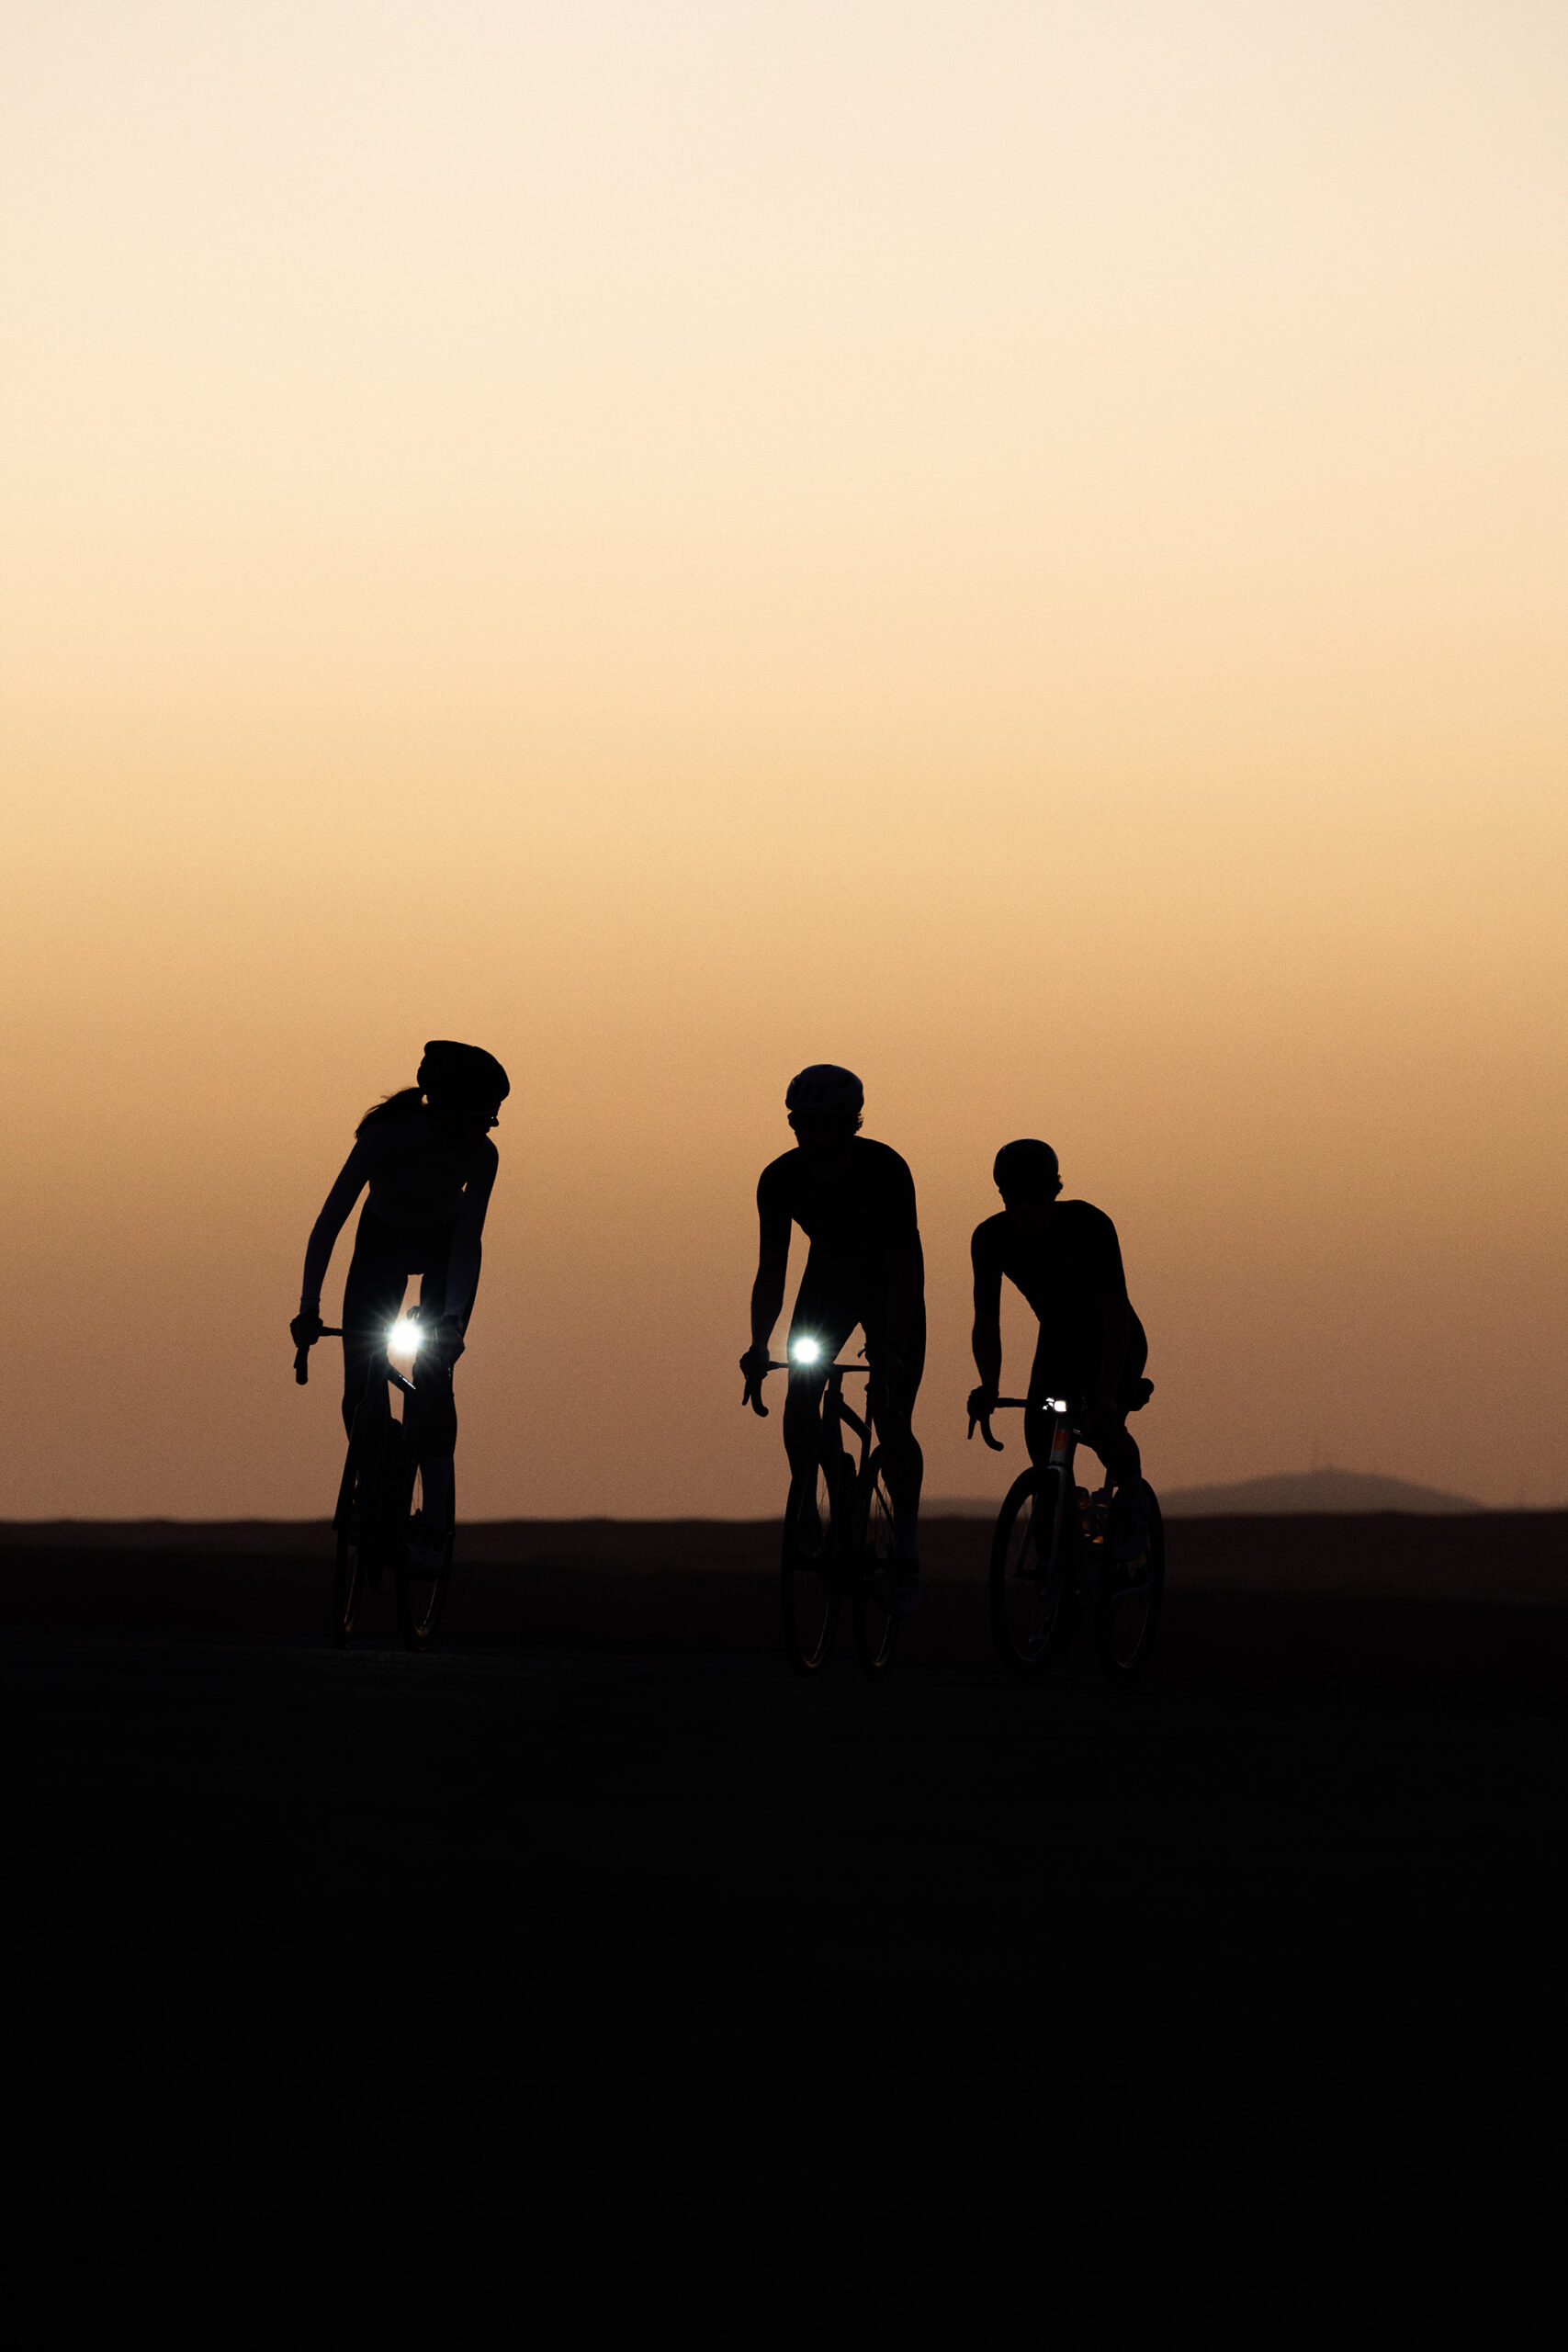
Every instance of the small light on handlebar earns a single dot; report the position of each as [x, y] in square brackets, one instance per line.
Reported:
[805, 1351]
[404, 1337]
[1058, 1404]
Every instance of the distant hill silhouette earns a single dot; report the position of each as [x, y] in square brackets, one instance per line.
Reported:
[1289, 1494]
[1292, 1492]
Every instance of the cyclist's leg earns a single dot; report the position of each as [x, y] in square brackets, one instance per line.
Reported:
[434, 1406]
[1061, 1369]
[1048, 1377]
[377, 1276]
[903, 1463]
[822, 1312]
[1107, 1432]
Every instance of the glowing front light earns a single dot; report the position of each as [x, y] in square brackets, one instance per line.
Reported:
[805, 1351]
[404, 1336]
[1058, 1404]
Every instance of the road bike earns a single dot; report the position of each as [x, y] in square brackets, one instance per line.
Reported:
[838, 1536]
[380, 1519]
[1061, 1554]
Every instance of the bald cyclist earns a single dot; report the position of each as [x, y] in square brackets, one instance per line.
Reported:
[1065, 1259]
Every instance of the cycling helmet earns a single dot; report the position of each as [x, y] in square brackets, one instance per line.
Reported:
[463, 1079]
[1027, 1171]
[823, 1090]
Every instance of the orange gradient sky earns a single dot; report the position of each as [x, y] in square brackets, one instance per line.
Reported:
[1018, 547]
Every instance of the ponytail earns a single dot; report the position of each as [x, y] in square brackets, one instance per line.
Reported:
[401, 1105]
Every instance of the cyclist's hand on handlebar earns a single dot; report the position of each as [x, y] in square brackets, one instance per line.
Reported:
[754, 1365]
[982, 1404]
[305, 1330]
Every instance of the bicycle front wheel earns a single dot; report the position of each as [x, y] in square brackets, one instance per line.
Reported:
[876, 1627]
[811, 1588]
[424, 1564]
[1127, 1604]
[349, 1575]
[1031, 1574]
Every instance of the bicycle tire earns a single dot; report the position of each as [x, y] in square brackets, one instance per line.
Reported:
[811, 1588]
[349, 1565]
[422, 1598]
[876, 1627]
[1127, 1605]
[1032, 1606]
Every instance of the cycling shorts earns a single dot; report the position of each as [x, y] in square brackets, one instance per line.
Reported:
[384, 1257]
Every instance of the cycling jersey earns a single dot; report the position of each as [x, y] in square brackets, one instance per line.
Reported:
[419, 1178]
[416, 1175]
[1067, 1262]
[853, 1208]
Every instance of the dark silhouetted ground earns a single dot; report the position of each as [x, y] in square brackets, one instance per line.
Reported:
[603, 1910]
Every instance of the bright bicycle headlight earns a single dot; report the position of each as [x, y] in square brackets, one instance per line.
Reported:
[404, 1337]
[806, 1351]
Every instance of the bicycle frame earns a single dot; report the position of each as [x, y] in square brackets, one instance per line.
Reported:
[1067, 1436]
[375, 1510]
[837, 1415]
[389, 1372]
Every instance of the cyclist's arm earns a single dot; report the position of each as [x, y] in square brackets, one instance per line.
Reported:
[463, 1265]
[353, 1176]
[987, 1336]
[773, 1268]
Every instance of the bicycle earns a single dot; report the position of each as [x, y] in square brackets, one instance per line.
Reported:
[1053, 1561]
[838, 1537]
[380, 1501]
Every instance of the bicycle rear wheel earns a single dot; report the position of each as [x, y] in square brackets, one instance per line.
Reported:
[811, 1586]
[1127, 1604]
[1031, 1574]
[876, 1627]
[423, 1573]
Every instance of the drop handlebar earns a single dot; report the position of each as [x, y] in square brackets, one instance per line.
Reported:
[302, 1355]
[984, 1419]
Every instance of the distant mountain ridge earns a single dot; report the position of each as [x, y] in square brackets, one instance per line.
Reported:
[1293, 1493]
[1289, 1494]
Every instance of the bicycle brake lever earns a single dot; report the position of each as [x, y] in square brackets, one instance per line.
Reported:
[301, 1365]
[984, 1421]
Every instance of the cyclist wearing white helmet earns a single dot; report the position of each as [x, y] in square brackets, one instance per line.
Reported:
[1065, 1259]
[855, 1200]
[426, 1156]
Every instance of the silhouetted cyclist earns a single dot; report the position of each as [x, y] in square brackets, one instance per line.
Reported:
[1065, 1257]
[426, 1155]
[855, 1200]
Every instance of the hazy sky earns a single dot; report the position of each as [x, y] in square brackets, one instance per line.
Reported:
[1018, 547]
